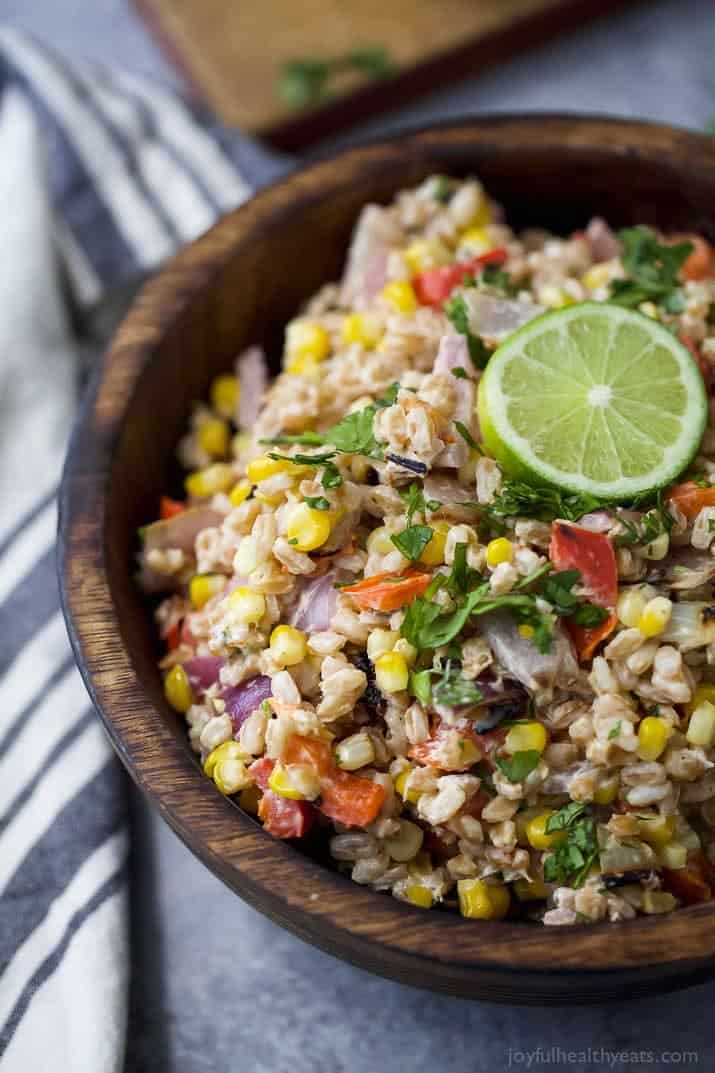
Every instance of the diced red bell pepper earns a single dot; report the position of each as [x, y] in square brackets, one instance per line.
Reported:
[573, 547]
[169, 508]
[260, 771]
[446, 748]
[434, 285]
[345, 798]
[586, 639]
[388, 592]
[284, 818]
[689, 883]
[690, 498]
[698, 265]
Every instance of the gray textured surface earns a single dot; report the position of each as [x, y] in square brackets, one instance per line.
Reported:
[216, 986]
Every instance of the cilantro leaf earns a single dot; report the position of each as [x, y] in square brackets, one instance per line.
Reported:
[453, 689]
[515, 768]
[564, 817]
[544, 504]
[332, 477]
[652, 270]
[416, 502]
[589, 616]
[455, 310]
[571, 858]
[614, 731]
[317, 502]
[412, 541]
[466, 435]
[303, 460]
[420, 685]
[495, 276]
[459, 372]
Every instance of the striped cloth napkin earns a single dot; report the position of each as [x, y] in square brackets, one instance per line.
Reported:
[102, 176]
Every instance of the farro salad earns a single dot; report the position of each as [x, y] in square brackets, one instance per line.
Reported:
[440, 595]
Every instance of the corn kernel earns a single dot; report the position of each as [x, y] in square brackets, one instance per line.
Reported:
[307, 528]
[597, 276]
[630, 606]
[522, 821]
[391, 673]
[226, 750]
[380, 642]
[433, 555]
[246, 558]
[658, 901]
[525, 737]
[649, 309]
[536, 832]
[653, 734]
[361, 328]
[203, 483]
[226, 765]
[656, 830]
[225, 393]
[499, 551]
[469, 752]
[702, 693]
[554, 297]
[355, 752]
[379, 542]
[263, 467]
[304, 365]
[483, 215]
[297, 782]
[307, 339]
[403, 648]
[288, 646]
[607, 791]
[482, 901]
[214, 437]
[701, 726]
[425, 253]
[177, 689]
[248, 606]
[419, 895]
[477, 239]
[406, 844]
[240, 492]
[203, 587]
[526, 631]
[400, 296]
[673, 855]
[655, 616]
[530, 890]
[412, 796]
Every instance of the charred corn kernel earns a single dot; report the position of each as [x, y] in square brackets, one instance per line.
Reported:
[380, 642]
[536, 832]
[526, 736]
[658, 901]
[403, 648]
[307, 339]
[249, 799]
[656, 830]
[630, 606]
[412, 796]
[530, 890]
[701, 726]
[379, 542]
[701, 694]
[607, 791]
[526, 631]
[288, 646]
[482, 901]
[203, 483]
[500, 550]
[655, 616]
[433, 555]
[227, 750]
[673, 855]
[297, 782]
[225, 393]
[203, 587]
[649, 309]
[248, 606]
[400, 296]
[361, 328]
[214, 437]
[263, 467]
[240, 492]
[177, 689]
[406, 843]
[355, 752]
[391, 672]
[653, 734]
[425, 253]
[307, 528]
[476, 238]
[419, 895]
[596, 277]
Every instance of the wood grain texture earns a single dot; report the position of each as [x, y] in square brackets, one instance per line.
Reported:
[237, 285]
[231, 53]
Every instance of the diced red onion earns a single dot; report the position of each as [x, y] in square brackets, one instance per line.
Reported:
[202, 672]
[242, 700]
[252, 370]
[366, 269]
[598, 521]
[521, 659]
[316, 604]
[603, 243]
[181, 530]
[453, 354]
[495, 318]
[451, 494]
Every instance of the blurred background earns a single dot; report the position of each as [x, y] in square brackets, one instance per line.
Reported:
[215, 985]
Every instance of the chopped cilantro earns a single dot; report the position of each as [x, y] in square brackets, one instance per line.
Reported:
[453, 689]
[572, 858]
[614, 731]
[495, 276]
[515, 768]
[416, 502]
[466, 435]
[420, 685]
[455, 310]
[332, 477]
[317, 502]
[460, 373]
[652, 270]
[544, 504]
[352, 435]
[412, 541]
[589, 616]
[441, 189]
[303, 460]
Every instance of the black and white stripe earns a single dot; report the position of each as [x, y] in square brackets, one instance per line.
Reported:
[132, 175]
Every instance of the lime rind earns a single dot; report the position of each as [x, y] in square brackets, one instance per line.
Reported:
[593, 398]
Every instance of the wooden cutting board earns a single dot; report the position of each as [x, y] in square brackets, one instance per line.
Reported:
[232, 51]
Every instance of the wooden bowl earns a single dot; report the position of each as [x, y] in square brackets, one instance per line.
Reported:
[237, 285]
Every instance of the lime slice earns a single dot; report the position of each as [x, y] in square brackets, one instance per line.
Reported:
[593, 398]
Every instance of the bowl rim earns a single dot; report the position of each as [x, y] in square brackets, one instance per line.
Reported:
[438, 950]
